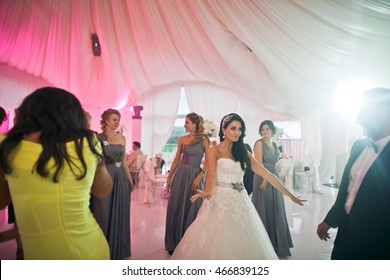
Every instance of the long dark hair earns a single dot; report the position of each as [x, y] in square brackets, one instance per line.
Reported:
[60, 118]
[239, 151]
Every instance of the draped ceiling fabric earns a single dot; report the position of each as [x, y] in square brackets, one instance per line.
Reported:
[285, 57]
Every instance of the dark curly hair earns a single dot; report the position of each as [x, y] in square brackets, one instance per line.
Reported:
[60, 118]
[239, 151]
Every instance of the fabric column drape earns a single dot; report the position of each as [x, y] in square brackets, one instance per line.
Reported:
[158, 117]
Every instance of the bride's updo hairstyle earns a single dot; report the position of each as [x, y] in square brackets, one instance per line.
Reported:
[239, 151]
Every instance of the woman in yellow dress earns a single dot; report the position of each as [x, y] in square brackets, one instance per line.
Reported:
[50, 162]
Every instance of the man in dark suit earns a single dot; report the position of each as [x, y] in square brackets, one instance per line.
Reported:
[362, 208]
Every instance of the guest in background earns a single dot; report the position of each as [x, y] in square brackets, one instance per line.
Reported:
[50, 162]
[184, 180]
[268, 201]
[113, 211]
[362, 208]
[132, 162]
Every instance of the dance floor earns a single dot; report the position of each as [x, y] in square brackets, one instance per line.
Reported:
[148, 226]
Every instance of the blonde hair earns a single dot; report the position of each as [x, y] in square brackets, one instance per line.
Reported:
[106, 114]
[198, 121]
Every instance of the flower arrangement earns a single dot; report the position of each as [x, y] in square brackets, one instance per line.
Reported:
[279, 132]
[210, 129]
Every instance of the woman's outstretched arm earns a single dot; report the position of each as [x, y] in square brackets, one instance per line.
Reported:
[272, 179]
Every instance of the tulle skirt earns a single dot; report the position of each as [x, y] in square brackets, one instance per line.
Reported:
[227, 227]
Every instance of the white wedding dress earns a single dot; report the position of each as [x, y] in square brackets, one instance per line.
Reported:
[227, 226]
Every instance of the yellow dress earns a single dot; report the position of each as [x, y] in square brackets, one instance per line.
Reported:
[54, 219]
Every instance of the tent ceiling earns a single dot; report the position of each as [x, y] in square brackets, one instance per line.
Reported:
[287, 55]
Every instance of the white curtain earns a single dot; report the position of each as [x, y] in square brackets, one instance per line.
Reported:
[15, 85]
[211, 102]
[158, 118]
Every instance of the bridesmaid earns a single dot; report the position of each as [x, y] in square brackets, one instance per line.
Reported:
[50, 163]
[113, 212]
[269, 201]
[184, 179]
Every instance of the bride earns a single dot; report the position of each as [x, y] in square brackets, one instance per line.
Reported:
[227, 225]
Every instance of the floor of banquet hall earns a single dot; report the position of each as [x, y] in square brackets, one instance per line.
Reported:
[148, 226]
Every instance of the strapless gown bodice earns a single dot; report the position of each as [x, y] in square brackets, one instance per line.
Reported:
[192, 154]
[229, 171]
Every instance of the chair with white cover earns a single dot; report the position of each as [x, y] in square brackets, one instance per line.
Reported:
[157, 167]
[153, 180]
[141, 159]
[285, 168]
[149, 186]
[308, 175]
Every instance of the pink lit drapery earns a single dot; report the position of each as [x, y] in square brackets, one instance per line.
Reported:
[299, 49]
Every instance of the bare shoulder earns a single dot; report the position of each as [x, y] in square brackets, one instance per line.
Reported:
[181, 139]
[213, 152]
[258, 144]
[258, 141]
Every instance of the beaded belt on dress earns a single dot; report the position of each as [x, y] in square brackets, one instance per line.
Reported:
[239, 186]
[118, 164]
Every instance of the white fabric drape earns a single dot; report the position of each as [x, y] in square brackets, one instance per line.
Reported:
[211, 102]
[158, 118]
[286, 55]
[15, 85]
